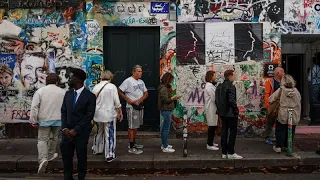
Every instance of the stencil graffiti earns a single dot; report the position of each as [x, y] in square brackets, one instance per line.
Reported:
[190, 44]
[248, 42]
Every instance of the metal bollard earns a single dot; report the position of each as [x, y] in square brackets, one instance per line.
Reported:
[185, 135]
[289, 148]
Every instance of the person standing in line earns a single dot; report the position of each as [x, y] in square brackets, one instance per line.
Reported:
[108, 110]
[290, 98]
[226, 101]
[211, 109]
[134, 91]
[270, 86]
[314, 85]
[45, 114]
[77, 112]
[166, 105]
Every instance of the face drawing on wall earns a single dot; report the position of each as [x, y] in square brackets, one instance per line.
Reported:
[32, 70]
[6, 76]
[64, 74]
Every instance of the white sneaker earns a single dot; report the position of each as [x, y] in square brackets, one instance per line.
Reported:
[135, 151]
[277, 150]
[213, 148]
[169, 146]
[55, 155]
[137, 146]
[42, 166]
[168, 150]
[224, 156]
[214, 144]
[234, 156]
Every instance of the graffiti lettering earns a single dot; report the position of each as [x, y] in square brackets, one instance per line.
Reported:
[196, 97]
[20, 114]
[35, 3]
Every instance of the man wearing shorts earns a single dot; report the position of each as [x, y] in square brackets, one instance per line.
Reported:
[134, 91]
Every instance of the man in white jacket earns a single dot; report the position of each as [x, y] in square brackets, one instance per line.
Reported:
[108, 110]
[46, 113]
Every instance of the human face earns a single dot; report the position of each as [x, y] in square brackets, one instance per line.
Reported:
[31, 68]
[232, 77]
[5, 79]
[137, 74]
[214, 78]
[62, 76]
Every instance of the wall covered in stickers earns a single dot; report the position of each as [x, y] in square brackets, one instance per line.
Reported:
[195, 36]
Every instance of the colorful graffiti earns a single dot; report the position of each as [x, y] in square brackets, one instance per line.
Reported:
[36, 41]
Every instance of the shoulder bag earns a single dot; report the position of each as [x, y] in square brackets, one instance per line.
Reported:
[273, 109]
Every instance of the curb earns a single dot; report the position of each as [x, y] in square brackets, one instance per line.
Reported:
[20, 163]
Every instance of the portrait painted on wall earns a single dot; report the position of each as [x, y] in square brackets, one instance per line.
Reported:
[191, 44]
[31, 69]
[248, 42]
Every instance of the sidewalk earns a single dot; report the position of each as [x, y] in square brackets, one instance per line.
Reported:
[21, 154]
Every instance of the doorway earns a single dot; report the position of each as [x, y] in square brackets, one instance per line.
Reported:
[125, 47]
[293, 65]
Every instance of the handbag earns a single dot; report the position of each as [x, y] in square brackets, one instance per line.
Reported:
[273, 109]
[138, 107]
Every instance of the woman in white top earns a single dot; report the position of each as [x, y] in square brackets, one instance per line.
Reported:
[211, 109]
[108, 110]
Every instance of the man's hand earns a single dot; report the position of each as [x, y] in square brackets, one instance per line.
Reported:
[73, 133]
[129, 101]
[66, 132]
[120, 117]
[35, 125]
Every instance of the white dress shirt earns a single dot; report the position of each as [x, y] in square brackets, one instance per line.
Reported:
[79, 91]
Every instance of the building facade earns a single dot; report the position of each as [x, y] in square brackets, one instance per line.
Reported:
[190, 36]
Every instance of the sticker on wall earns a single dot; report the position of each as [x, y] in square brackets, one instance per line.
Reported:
[268, 69]
[159, 7]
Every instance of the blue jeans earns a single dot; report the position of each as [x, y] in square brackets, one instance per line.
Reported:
[165, 127]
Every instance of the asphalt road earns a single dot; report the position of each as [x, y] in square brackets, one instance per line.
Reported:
[251, 176]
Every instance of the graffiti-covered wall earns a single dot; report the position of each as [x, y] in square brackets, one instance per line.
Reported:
[195, 36]
[244, 35]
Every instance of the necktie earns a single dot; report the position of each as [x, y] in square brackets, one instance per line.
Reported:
[74, 98]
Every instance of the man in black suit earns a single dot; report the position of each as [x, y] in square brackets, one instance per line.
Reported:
[76, 114]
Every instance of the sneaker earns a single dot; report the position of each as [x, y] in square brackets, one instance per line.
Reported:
[277, 150]
[224, 156]
[55, 155]
[135, 151]
[168, 150]
[169, 146]
[43, 166]
[269, 141]
[137, 146]
[216, 145]
[234, 156]
[109, 160]
[213, 148]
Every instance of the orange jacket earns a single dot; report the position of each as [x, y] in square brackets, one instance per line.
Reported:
[268, 90]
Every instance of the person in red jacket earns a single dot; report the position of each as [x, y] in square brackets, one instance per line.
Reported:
[270, 86]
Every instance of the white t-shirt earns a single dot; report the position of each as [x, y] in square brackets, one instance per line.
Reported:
[133, 89]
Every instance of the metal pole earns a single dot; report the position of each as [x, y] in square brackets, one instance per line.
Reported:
[185, 135]
[289, 148]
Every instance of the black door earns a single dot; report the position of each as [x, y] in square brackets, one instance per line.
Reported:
[293, 65]
[125, 47]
